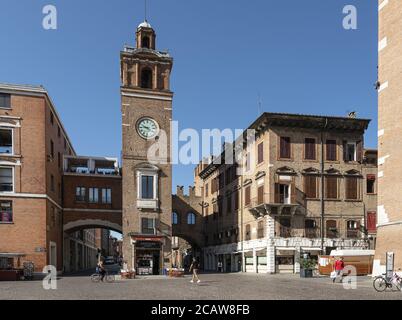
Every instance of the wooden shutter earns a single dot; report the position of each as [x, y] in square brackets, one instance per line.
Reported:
[261, 195]
[351, 188]
[261, 152]
[310, 186]
[359, 151]
[331, 150]
[309, 149]
[371, 221]
[345, 150]
[247, 199]
[285, 148]
[331, 187]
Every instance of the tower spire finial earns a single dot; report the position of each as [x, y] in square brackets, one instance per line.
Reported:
[145, 9]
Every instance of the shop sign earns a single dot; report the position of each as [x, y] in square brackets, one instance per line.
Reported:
[148, 244]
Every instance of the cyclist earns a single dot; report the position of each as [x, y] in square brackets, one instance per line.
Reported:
[101, 269]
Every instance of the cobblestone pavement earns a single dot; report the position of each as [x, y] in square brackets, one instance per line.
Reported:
[213, 287]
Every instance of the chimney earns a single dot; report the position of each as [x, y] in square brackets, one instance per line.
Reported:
[179, 191]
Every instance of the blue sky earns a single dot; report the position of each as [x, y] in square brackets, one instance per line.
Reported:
[294, 54]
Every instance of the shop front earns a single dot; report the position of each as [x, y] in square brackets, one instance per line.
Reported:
[148, 256]
[285, 260]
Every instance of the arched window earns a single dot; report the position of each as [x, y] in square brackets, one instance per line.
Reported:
[145, 42]
[146, 78]
[332, 230]
[191, 218]
[175, 218]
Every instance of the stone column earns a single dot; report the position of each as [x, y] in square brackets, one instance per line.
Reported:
[255, 267]
[270, 224]
[297, 260]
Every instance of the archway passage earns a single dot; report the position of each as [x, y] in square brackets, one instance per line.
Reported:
[89, 237]
[184, 250]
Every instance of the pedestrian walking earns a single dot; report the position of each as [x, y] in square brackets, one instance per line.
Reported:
[338, 269]
[194, 269]
[220, 266]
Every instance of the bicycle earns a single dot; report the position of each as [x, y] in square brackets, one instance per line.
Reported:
[381, 283]
[96, 277]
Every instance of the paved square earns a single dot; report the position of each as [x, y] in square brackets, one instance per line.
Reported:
[213, 287]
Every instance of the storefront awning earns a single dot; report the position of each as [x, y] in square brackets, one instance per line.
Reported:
[285, 248]
[311, 249]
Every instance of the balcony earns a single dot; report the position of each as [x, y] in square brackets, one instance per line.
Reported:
[148, 204]
[280, 206]
[91, 166]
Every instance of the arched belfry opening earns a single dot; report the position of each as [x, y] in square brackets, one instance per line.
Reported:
[146, 42]
[146, 78]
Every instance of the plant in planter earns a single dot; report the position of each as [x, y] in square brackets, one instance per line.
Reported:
[306, 268]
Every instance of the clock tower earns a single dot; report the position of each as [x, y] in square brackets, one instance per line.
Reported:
[146, 106]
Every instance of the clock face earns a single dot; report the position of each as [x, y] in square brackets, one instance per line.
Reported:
[147, 128]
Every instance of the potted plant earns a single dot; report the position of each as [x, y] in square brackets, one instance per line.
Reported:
[306, 268]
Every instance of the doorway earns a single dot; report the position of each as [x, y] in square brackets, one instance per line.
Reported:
[53, 254]
[284, 193]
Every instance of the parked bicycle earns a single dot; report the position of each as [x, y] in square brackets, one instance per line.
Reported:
[96, 277]
[381, 283]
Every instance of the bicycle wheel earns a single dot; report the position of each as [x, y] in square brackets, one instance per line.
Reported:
[397, 284]
[109, 278]
[380, 284]
[95, 277]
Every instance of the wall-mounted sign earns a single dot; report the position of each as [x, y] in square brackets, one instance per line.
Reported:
[148, 245]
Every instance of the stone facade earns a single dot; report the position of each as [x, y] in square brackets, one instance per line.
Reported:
[265, 217]
[389, 109]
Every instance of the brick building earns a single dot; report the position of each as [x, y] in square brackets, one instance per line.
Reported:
[33, 143]
[389, 110]
[146, 116]
[307, 186]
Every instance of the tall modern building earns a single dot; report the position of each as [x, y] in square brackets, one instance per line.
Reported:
[147, 176]
[390, 151]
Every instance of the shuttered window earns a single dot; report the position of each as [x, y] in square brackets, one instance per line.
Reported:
[310, 186]
[309, 149]
[372, 221]
[331, 187]
[331, 229]
[229, 204]
[331, 150]
[260, 195]
[351, 188]
[247, 198]
[206, 190]
[236, 200]
[261, 152]
[285, 148]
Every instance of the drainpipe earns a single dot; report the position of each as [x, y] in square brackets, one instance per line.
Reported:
[322, 186]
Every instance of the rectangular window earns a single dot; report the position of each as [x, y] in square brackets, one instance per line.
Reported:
[310, 186]
[247, 196]
[331, 150]
[248, 232]
[351, 188]
[260, 195]
[93, 195]
[51, 117]
[58, 131]
[6, 212]
[6, 180]
[65, 144]
[285, 148]
[236, 200]
[260, 230]
[206, 190]
[352, 231]
[371, 184]
[350, 151]
[331, 187]
[59, 159]
[285, 230]
[309, 149]
[80, 194]
[106, 195]
[5, 101]
[372, 221]
[148, 226]
[6, 141]
[52, 148]
[229, 204]
[260, 153]
[52, 183]
[147, 187]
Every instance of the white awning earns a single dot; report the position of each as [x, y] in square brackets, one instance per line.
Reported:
[349, 253]
[285, 248]
[310, 249]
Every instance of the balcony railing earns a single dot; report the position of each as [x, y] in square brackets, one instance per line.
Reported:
[268, 205]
